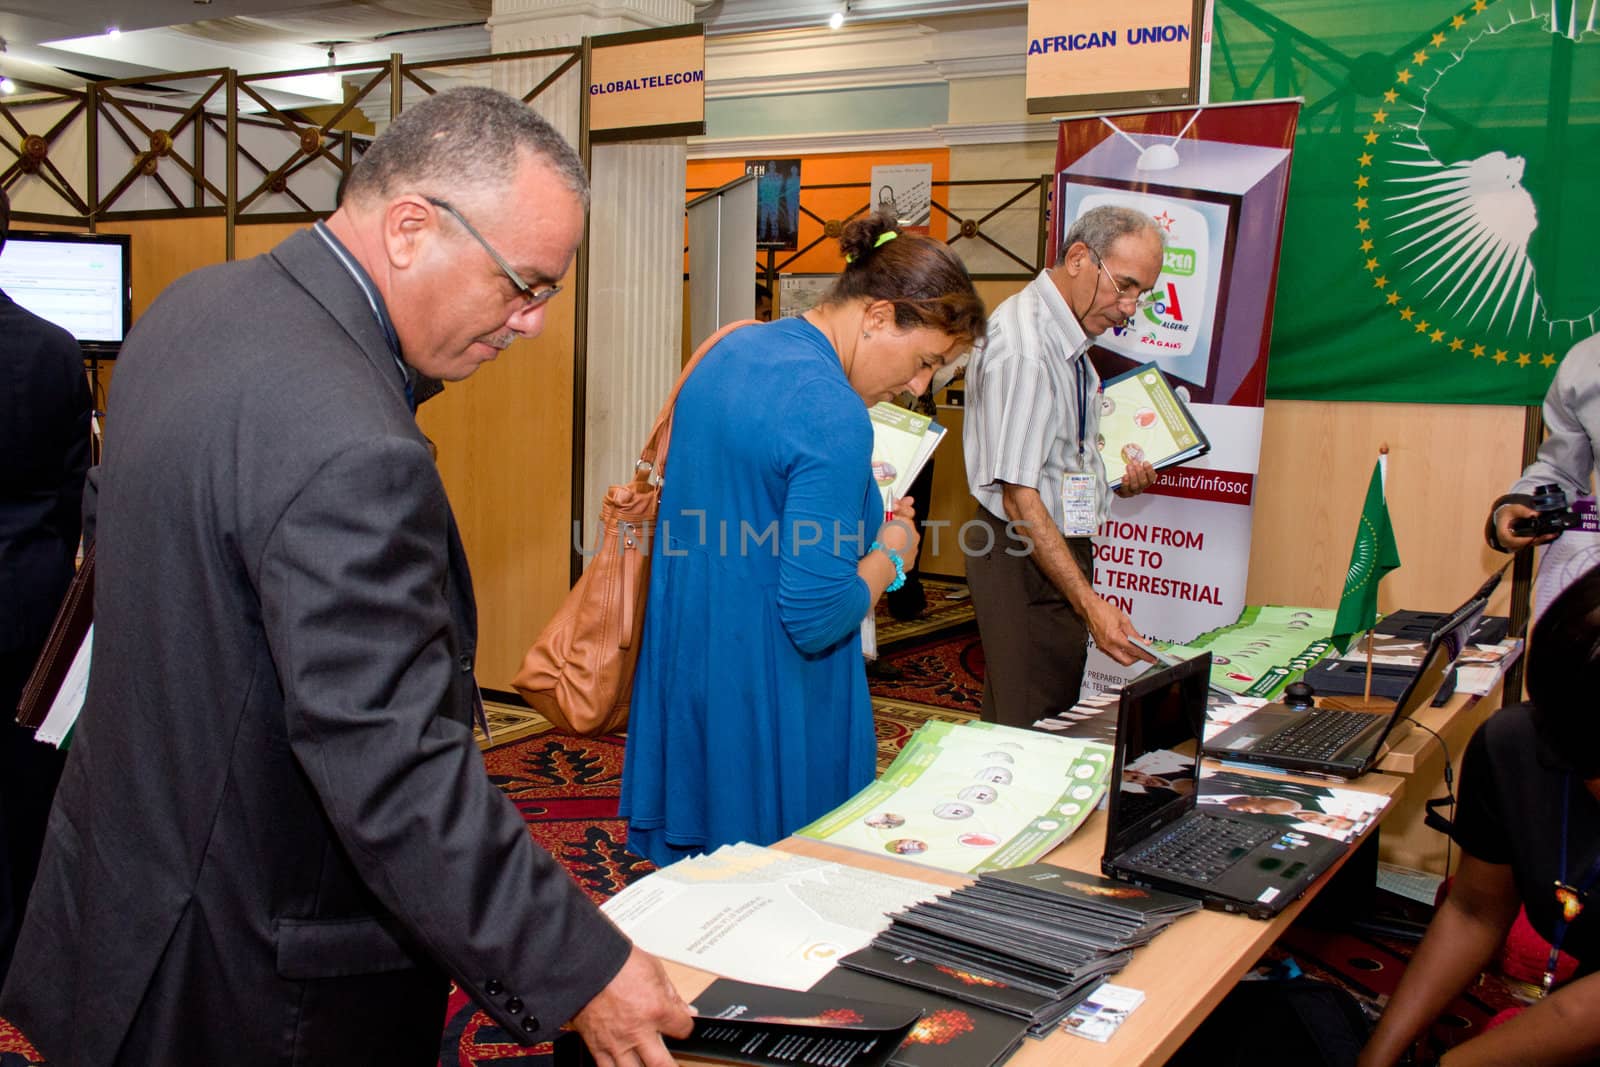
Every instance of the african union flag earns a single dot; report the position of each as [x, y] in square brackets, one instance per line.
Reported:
[1438, 240]
[1372, 556]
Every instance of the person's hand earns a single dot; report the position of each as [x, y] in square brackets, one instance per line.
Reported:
[623, 1023]
[1138, 477]
[1504, 516]
[1111, 627]
[900, 533]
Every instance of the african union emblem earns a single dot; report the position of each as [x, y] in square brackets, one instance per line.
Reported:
[1475, 233]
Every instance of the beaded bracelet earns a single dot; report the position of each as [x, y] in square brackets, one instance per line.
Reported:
[899, 565]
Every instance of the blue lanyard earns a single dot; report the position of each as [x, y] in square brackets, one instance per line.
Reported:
[1570, 898]
[1083, 402]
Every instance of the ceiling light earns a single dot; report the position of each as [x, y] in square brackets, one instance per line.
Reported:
[112, 31]
[7, 85]
[836, 19]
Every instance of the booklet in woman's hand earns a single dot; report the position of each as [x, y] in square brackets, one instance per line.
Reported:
[1143, 418]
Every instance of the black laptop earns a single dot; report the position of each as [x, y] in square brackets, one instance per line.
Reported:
[1155, 834]
[1345, 743]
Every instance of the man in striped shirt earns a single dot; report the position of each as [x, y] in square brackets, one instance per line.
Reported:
[1033, 416]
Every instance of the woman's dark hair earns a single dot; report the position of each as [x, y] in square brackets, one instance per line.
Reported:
[1564, 674]
[921, 277]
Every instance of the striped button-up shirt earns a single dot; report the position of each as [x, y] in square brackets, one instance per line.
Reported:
[1022, 416]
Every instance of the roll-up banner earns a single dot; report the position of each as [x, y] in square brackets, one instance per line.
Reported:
[1176, 558]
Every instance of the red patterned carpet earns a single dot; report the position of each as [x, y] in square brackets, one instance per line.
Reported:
[567, 788]
[944, 671]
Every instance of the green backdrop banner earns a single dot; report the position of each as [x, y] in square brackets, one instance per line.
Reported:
[1437, 244]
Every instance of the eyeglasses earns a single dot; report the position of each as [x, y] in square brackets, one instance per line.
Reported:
[1138, 300]
[533, 297]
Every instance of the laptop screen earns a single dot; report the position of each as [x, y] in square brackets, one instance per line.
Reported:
[1443, 648]
[1160, 717]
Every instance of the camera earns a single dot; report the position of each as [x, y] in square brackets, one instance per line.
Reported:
[1554, 514]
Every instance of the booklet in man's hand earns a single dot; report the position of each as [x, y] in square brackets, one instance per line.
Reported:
[1142, 418]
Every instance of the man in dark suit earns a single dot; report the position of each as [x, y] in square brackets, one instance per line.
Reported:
[44, 439]
[274, 841]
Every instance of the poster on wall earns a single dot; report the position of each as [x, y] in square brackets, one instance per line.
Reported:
[1176, 558]
[907, 190]
[777, 202]
[799, 293]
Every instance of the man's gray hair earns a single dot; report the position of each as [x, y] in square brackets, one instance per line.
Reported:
[462, 140]
[1100, 227]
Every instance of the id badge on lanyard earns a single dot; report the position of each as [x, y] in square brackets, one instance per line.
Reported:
[1080, 498]
[1080, 493]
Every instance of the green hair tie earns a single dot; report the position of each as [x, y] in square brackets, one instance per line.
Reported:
[883, 239]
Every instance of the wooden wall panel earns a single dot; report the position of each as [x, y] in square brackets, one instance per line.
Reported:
[1446, 464]
[261, 237]
[164, 250]
[505, 452]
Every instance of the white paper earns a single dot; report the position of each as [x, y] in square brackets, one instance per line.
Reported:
[760, 915]
[68, 704]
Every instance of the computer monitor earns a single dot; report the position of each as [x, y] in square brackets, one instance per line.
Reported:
[79, 281]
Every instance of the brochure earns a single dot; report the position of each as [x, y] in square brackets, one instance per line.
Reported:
[1141, 417]
[950, 1034]
[902, 441]
[972, 797]
[737, 1022]
[760, 915]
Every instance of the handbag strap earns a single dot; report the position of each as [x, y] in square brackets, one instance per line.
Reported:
[653, 457]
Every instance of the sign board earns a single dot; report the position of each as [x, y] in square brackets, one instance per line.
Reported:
[647, 83]
[1101, 57]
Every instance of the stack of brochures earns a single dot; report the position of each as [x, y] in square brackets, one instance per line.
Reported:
[1142, 418]
[972, 797]
[1031, 942]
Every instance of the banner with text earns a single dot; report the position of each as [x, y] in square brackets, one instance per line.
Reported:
[647, 83]
[1177, 557]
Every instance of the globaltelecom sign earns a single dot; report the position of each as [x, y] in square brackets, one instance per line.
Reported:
[648, 83]
[1099, 57]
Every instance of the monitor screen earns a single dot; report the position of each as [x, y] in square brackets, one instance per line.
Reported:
[79, 281]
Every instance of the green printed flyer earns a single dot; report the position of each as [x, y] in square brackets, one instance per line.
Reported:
[973, 797]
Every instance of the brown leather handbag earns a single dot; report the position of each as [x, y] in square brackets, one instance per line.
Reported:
[579, 673]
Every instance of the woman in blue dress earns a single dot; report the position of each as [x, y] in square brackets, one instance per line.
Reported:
[750, 714]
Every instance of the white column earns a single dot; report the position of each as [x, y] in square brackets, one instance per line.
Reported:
[635, 235]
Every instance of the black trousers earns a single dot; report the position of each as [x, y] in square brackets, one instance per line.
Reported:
[28, 775]
[1034, 642]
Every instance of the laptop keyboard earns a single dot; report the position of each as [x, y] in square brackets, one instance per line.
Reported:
[1319, 735]
[1200, 847]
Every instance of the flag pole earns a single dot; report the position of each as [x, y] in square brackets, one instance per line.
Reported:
[1366, 693]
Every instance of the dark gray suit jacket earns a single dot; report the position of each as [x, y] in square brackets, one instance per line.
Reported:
[275, 836]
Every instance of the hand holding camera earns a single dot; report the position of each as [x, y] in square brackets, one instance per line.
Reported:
[1551, 514]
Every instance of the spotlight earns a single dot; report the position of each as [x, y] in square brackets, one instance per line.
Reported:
[112, 31]
[7, 85]
[836, 19]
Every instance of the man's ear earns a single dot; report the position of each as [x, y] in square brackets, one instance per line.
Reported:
[1077, 258]
[408, 222]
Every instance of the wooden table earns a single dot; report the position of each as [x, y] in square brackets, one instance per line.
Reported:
[1417, 757]
[1184, 972]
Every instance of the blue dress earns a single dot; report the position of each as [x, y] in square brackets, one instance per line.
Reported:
[750, 715]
